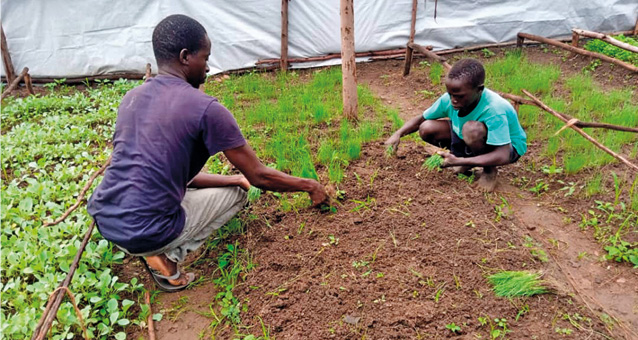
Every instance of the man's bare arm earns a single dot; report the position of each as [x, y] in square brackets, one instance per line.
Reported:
[204, 180]
[266, 178]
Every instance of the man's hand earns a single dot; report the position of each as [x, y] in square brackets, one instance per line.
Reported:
[319, 195]
[448, 159]
[242, 182]
[393, 143]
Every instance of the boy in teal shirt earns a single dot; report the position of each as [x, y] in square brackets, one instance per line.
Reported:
[482, 130]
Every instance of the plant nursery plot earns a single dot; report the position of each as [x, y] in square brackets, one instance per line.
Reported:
[405, 251]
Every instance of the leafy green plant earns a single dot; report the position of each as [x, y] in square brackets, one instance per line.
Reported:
[600, 46]
[516, 283]
[539, 188]
[453, 328]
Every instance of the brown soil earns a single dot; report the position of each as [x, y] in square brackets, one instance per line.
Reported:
[419, 232]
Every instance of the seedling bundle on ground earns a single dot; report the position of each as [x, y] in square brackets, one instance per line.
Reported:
[402, 252]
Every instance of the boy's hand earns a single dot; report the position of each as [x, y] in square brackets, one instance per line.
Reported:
[393, 143]
[448, 159]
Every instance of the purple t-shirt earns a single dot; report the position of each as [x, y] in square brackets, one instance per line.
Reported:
[165, 132]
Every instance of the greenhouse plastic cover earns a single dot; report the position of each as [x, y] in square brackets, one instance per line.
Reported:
[70, 38]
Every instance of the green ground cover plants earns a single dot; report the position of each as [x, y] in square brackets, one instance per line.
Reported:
[50, 145]
[600, 46]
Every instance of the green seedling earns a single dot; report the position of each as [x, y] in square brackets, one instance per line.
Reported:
[253, 194]
[453, 328]
[434, 162]
[516, 283]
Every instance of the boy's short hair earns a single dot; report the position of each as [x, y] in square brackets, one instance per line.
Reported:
[174, 33]
[468, 69]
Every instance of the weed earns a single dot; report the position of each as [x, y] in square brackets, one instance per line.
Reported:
[540, 187]
[487, 53]
[469, 179]
[439, 292]
[453, 328]
[516, 283]
[563, 331]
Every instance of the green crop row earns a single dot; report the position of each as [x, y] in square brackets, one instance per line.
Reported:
[50, 145]
[600, 46]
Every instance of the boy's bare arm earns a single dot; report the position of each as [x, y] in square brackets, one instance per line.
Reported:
[409, 127]
[499, 156]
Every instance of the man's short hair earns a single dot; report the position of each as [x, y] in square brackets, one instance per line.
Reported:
[174, 33]
[468, 69]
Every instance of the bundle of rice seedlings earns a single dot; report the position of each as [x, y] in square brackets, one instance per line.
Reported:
[434, 162]
[253, 194]
[517, 283]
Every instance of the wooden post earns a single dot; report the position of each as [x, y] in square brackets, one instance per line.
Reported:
[284, 35]
[408, 50]
[27, 82]
[148, 73]
[636, 28]
[575, 38]
[522, 36]
[348, 62]
[431, 55]
[6, 59]
[14, 83]
[606, 38]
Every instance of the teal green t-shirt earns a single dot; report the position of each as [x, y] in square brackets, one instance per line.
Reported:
[496, 113]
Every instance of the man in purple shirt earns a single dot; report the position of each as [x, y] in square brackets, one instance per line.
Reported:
[165, 132]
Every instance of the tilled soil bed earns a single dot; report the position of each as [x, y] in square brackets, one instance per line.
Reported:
[406, 254]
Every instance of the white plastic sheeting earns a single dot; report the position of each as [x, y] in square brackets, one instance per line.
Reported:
[68, 38]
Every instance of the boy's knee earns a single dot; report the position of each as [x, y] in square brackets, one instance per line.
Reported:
[427, 130]
[474, 133]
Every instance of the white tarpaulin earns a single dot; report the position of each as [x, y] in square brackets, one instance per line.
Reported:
[70, 38]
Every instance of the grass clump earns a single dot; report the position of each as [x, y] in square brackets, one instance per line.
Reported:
[517, 283]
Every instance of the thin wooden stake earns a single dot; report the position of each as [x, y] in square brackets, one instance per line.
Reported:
[636, 27]
[431, 55]
[52, 307]
[520, 100]
[575, 39]
[151, 323]
[408, 50]
[14, 83]
[580, 131]
[27, 82]
[284, 35]
[605, 38]
[348, 62]
[578, 50]
[82, 193]
[147, 74]
[6, 58]
[75, 307]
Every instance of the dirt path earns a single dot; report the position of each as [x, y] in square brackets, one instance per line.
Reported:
[605, 286]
